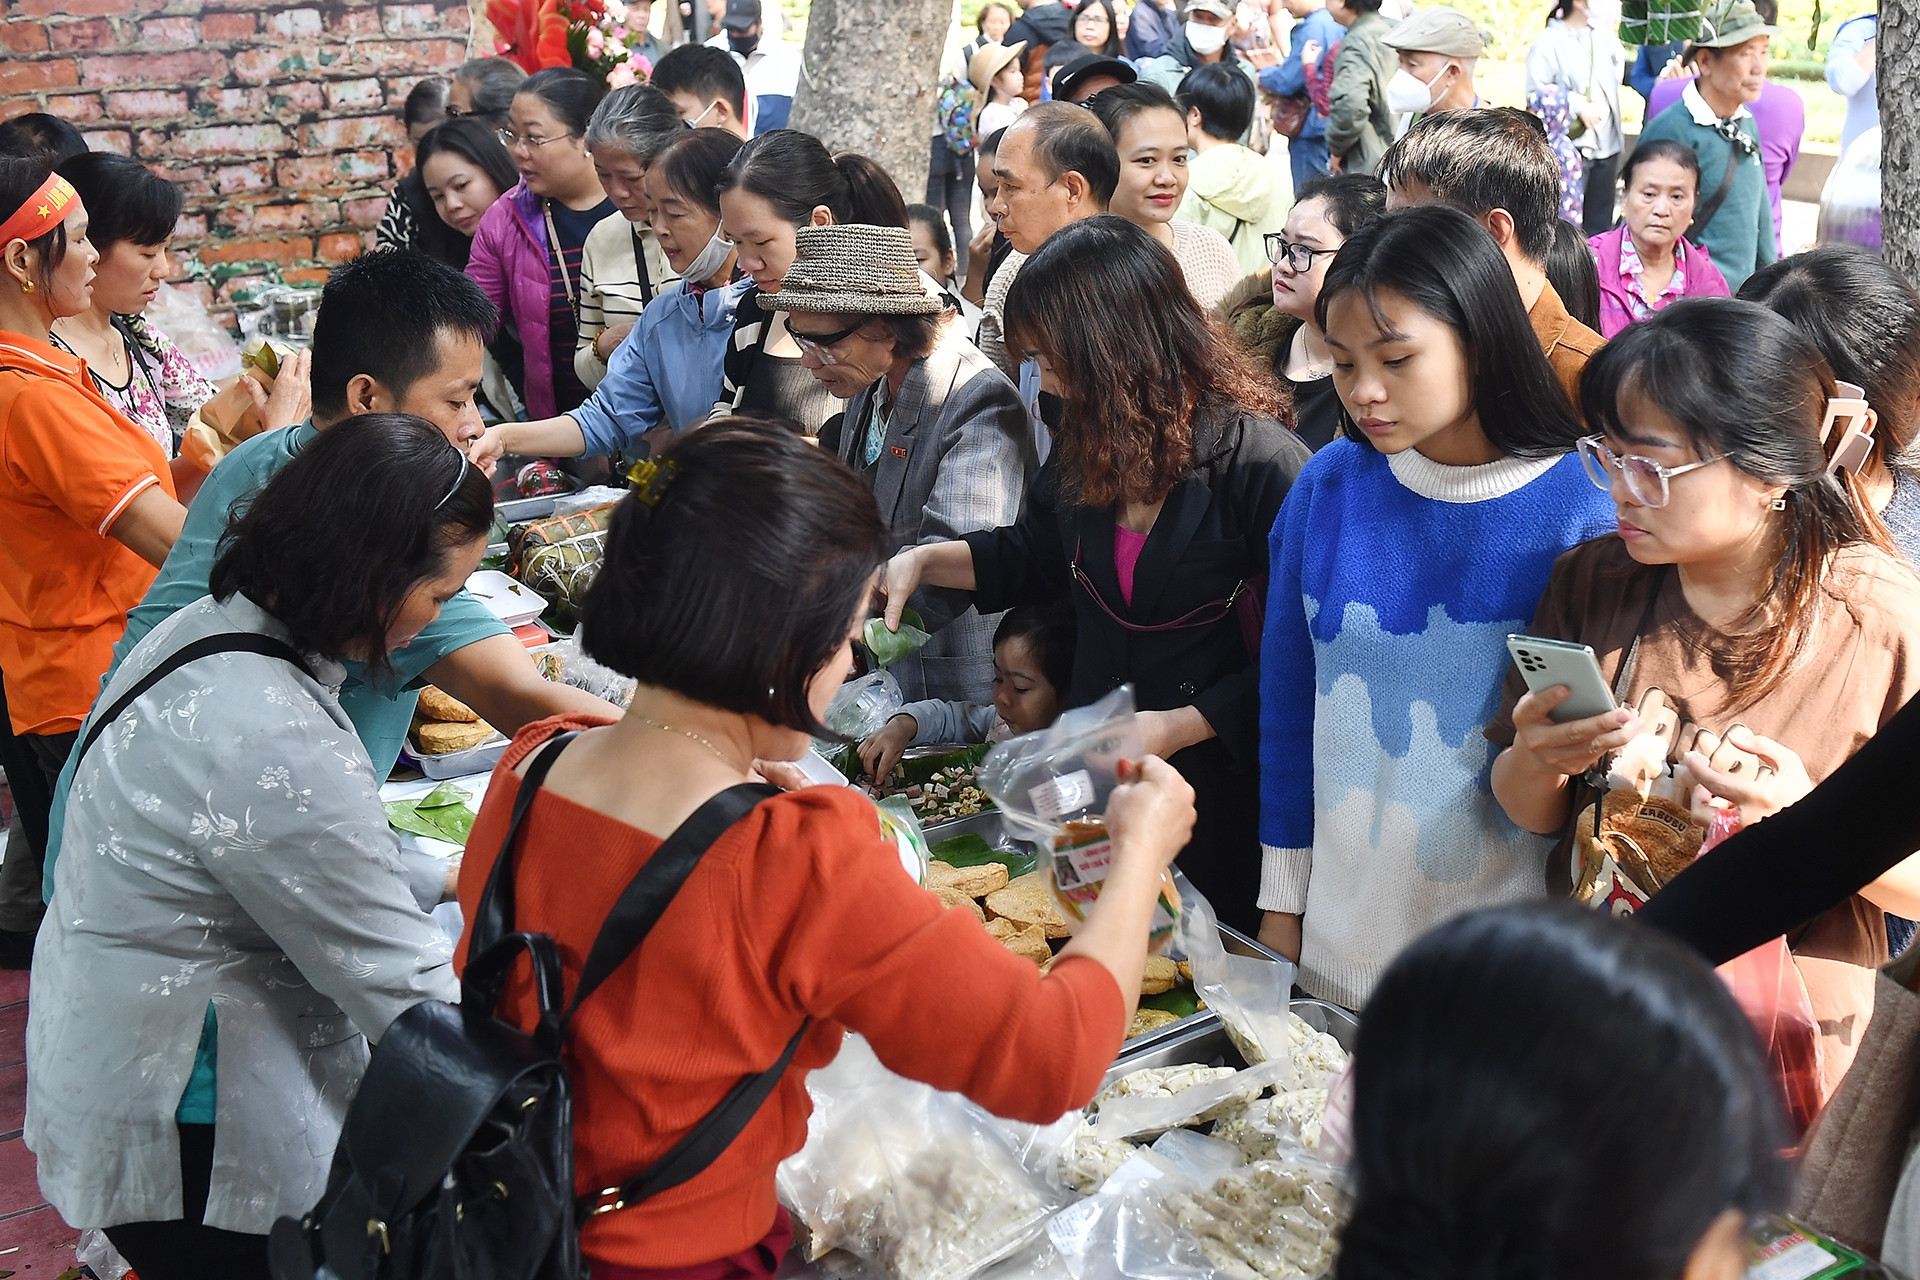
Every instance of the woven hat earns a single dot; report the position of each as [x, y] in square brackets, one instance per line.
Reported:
[990, 60]
[1439, 30]
[1726, 23]
[853, 270]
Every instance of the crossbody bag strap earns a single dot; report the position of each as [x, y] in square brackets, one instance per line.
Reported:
[643, 277]
[229, 642]
[1707, 211]
[493, 914]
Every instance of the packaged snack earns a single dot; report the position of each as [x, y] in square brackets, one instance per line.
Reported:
[1052, 787]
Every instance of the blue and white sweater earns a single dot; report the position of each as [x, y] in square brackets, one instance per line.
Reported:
[1395, 584]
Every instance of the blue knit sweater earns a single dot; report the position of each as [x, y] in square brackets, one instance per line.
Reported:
[1395, 584]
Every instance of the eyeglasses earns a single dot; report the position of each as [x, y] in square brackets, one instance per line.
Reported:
[1648, 481]
[819, 342]
[1299, 257]
[509, 139]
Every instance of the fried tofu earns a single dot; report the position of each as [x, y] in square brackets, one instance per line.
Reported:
[975, 882]
[438, 739]
[1028, 901]
[1028, 941]
[1146, 1020]
[445, 708]
[959, 898]
[1160, 976]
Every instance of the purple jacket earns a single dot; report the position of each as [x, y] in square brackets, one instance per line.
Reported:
[1781, 118]
[509, 262]
[1616, 304]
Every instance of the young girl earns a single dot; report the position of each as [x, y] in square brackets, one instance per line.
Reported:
[1752, 588]
[995, 75]
[933, 250]
[1032, 671]
[1401, 561]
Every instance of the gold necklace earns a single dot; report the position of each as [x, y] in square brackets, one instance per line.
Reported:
[687, 733]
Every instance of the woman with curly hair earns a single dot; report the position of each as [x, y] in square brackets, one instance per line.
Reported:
[1168, 467]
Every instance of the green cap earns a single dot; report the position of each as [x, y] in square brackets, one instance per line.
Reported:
[1726, 23]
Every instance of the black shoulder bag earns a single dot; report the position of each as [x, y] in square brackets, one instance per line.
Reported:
[206, 646]
[1705, 213]
[456, 1158]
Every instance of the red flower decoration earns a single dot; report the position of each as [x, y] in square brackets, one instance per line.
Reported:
[532, 32]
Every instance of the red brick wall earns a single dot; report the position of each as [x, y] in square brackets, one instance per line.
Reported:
[280, 123]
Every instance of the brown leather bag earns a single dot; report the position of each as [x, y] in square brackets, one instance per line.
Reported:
[1290, 114]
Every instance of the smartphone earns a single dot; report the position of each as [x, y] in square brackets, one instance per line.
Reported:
[1549, 663]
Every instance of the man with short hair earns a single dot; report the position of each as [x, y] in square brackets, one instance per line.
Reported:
[397, 332]
[1439, 49]
[1495, 166]
[771, 65]
[706, 86]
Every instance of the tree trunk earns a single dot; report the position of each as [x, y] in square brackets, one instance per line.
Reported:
[1898, 53]
[870, 75]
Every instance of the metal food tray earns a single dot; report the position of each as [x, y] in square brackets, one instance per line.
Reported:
[1210, 1045]
[520, 510]
[458, 764]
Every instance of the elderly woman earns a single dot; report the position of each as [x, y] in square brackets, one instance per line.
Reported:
[622, 268]
[733, 585]
[1152, 513]
[232, 922]
[934, 429]
[1647, 261]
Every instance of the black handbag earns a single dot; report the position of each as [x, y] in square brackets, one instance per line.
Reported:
[456, 1157]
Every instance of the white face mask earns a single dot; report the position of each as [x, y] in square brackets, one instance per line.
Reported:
[1407, 92]
[711, 259]
[1203, 39]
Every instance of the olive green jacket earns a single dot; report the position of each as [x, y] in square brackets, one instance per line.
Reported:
[1359, 126]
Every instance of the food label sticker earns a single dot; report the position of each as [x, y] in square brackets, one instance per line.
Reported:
[1798, 1261]
[1069, 793]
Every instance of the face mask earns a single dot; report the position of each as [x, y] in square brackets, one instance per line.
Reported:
[711, 259]
[1604, 13]
[1203, 39]
[1407, 92]
[742, 45]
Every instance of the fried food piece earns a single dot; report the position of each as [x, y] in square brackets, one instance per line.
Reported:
[1026, 941]
[1160, 976]
[445, 708]
[1145, 1020]
[1186, 970]
[1028, 901]
[975, 882]
[437, 739]
[959, 898]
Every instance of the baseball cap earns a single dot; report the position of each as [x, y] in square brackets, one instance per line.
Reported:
[1438, 30]
[1219, 8]
[742, 15]
[1084, 68]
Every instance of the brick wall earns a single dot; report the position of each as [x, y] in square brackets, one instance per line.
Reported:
[280, 123]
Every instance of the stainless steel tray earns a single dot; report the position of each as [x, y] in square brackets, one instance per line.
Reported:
[1209, 1044]
[1236, 944]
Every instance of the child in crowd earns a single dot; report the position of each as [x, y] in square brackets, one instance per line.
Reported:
[996, 77]
[933, 250]
[1032, 671]
[1403, 557]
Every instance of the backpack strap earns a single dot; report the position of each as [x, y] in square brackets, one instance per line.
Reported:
[229, 642]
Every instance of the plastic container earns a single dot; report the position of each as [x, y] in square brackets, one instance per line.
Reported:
[513, 602]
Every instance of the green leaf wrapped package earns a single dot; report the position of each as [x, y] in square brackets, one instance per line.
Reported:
[441, 814]
[888, 647]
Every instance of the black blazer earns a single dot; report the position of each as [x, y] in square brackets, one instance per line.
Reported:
[1211, 537]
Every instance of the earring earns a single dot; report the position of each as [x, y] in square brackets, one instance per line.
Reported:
[1778, 504]
[26, 286]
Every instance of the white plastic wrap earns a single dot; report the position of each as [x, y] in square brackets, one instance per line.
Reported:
[1250, 994]
[186, 322]
[923, 1184]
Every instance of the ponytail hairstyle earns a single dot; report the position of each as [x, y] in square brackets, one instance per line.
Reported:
[1744, 383]
[793, 172]
[1865, 319]
[1522, 1069]
[1443, 262]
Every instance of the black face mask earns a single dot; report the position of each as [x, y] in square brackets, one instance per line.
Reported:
[742, 45]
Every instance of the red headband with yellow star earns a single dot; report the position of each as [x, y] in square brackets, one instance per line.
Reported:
[44, 210]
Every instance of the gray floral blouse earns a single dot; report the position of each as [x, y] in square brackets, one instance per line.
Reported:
[225, 842]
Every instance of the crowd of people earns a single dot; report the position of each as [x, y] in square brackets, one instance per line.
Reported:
[1297, 466]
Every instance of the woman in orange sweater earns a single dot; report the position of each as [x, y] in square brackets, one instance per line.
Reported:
[736, 617]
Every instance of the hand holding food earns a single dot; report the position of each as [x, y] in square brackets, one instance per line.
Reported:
[485, 453]
[881, 752]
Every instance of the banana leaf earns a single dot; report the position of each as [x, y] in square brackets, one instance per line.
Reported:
[969, 850]
[1181, 1002]
[919, 769]
[441, 814]
[888, 647]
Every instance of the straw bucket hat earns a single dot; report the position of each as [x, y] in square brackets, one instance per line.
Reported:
[854, 270]
[990, 61]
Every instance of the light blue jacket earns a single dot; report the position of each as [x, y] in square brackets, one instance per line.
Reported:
[667, 369]
[1844, 77]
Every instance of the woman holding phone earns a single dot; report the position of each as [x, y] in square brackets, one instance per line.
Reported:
[1756, 592]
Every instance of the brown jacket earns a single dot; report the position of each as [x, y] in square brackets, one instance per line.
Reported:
[1568, 343]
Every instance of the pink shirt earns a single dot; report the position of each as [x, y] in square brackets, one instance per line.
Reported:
[1127, 546]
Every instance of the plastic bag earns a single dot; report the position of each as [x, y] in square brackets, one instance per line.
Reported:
[96, 1253]
[1128, 1114]
[1250, 994]
[565, 662]
[925, 1185]
[1052, 786]
[599, 495]
[899, 824]
[860, 707]
[186, 322]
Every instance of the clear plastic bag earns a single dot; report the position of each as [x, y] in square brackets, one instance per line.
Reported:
[1250, 994]
[923, 1184]
[599, 495]
[565, 662]
[861, 707]
[1126, 1115]
[901, 825]
[1051, 787]
[187, 323]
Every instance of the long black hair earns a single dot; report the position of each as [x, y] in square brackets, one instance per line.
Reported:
[1865, 319]
[796, 174]
[339, 536]
[1573, 274]
[475, 141]
[1521, 1066]
[1744, 383]
[1445, 263]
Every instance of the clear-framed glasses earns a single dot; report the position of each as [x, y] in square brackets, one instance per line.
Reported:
[818, 343]
[1298, 257]
[1648, 481]
[509, 139]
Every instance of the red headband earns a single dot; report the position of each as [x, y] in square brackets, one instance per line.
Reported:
[44, 210]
